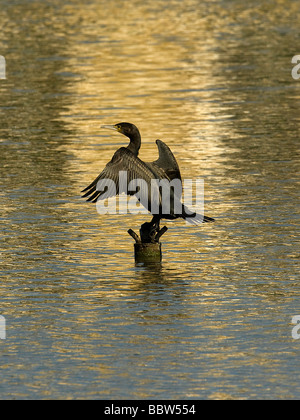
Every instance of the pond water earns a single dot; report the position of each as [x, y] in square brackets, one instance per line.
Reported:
[213, 80]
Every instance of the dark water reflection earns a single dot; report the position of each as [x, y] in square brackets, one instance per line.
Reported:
[212, 79]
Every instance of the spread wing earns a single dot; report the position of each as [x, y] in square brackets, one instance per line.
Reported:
[167, 161]
[125, 173]
[166, 166]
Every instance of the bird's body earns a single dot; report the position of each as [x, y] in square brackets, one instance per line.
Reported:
[127, 171]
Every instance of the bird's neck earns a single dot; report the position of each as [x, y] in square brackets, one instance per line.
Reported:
[135, 143]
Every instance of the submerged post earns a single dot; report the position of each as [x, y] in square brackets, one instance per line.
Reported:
[147, 248]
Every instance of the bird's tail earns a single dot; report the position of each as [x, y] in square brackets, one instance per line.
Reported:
[195, 218]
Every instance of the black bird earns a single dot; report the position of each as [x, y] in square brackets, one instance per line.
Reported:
[150, 194]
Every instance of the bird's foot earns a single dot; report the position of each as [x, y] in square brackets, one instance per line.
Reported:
[148, 232]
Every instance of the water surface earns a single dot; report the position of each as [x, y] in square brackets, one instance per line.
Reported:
[213, 80]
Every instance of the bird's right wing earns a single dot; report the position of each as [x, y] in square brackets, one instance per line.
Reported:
[167, 161]
[166, 168]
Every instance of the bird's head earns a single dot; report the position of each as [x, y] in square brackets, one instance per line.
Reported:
[128, 129]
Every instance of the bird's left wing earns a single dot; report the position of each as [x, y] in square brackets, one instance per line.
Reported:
[125, 173]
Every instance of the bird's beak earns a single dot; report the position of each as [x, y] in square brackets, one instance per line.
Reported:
[110, 127]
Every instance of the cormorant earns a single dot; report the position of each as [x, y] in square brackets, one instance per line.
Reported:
[165, 169]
